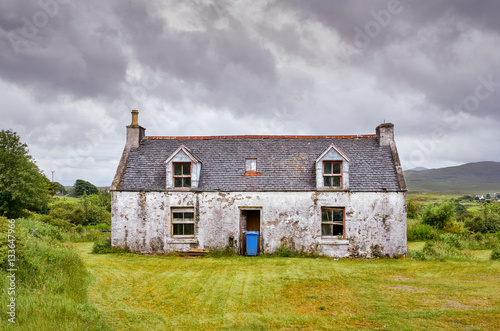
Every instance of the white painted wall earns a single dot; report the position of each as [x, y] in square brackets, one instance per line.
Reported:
[375, 221]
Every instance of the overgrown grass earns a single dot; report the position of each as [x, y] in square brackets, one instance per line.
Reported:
[136, 292]
[51, 284]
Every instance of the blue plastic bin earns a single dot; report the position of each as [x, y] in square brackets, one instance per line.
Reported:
[252, 242]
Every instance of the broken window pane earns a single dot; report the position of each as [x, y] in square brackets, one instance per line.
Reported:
[336, 181]
[338, 230]
[327, 181]
[186, 182]
[178, 182]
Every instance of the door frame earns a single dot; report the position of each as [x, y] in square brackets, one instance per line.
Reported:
[243, 226]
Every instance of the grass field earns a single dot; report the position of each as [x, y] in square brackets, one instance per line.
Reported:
[136, 292]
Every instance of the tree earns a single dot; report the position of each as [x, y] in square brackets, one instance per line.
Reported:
[59, 188]
[84, 188]
[22, 184]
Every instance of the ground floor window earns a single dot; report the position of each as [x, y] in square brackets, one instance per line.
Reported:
[183, 222]
[332, 222]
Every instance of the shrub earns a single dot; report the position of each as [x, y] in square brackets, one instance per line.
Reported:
[486, 221]
[413, 208]
[73, 212]
[450, 239]
[495, 254]
[454, 227]
[58, 222]
[420, 232]
[437, 215]
[284, 251]
[104, 247]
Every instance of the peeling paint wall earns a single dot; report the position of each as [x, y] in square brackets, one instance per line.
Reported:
[375, 223]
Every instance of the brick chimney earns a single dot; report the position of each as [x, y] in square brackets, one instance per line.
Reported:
[135, 132]
[385, 134]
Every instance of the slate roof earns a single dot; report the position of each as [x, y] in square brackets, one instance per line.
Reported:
[285, 164]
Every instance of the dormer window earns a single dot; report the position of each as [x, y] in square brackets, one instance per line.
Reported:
[332, 174]
[251, 165]
[182, 175]
[183, 169]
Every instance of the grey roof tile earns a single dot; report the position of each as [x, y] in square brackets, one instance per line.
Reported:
[286, 164]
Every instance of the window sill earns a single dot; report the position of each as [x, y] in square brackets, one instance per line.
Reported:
[178, 189]
[182, 240]
[333, 189]
[333, 241]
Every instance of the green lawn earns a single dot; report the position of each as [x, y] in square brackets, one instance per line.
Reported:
[137, 292]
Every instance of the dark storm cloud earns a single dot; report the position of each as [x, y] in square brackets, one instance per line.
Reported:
[221, 68]
[437, 56]
[49, 49]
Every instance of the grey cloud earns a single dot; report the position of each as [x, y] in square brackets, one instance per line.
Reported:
[60, 56]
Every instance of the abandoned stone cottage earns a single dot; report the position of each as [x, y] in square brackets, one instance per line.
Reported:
[333, 195]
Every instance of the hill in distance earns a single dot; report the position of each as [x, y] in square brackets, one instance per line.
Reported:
[478, 177]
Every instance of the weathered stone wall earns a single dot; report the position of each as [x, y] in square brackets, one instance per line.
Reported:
[375, 221]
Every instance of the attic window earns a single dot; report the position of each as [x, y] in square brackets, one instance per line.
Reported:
[182, 175]
[332, 174]
[251, 165]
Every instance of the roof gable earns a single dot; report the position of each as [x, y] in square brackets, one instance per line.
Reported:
[186, 151]
[332, 146]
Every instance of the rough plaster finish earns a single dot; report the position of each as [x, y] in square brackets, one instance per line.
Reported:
[332, 155]
[375, 221]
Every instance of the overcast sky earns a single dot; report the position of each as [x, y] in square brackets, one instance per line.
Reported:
[70, 73]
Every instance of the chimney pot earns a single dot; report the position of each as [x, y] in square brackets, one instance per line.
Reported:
[135, 117]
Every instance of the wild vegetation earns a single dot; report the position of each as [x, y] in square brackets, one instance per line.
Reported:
[51, 281]
[453, 227]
